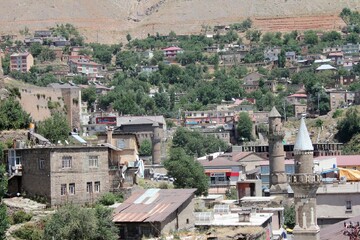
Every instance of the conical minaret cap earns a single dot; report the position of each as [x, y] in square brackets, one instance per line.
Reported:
[274, 113]
[303, 141]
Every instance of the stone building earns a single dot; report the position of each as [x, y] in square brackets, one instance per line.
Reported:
[60, 174]
[304, 184]
[77, 174]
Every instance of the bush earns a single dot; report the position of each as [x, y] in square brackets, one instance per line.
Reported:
[21, 216]
[337, 113]
[231, 193]
[110, 198]
[29, 232]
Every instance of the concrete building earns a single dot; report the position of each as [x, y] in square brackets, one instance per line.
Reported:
[222, 173]
[304, 184]
[85, 67]
[153, 212]
[21, 62]
[278, 179]
[336, 202]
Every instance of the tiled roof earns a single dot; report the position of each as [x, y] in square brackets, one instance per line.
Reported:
[172, 49]
[298, 95]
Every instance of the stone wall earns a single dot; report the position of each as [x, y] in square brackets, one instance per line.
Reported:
[80, 174]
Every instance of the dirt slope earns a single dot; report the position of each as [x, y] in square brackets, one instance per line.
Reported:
[110, 20]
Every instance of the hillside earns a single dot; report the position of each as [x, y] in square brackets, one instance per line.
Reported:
[109, 21]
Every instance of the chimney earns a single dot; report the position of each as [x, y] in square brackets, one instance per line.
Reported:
[109, 133]
[244, 215]
[210, 158]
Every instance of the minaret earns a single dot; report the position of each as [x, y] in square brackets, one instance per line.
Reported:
[278, 179]
[304, 184]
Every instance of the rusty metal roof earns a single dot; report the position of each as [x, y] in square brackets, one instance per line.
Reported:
[152, 205]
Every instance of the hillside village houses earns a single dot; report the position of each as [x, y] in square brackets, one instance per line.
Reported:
[81, 173]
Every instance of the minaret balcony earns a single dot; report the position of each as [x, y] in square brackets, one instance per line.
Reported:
[304, 178]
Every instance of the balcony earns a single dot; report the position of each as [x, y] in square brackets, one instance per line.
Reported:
[219, 183]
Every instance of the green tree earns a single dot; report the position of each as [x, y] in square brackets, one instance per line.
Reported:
[127, 60]
[282, 59]
[35, 49]
[4, 222]
[187, 172]
[289, 215]
[5, 64]
[89, 95]
[349, 125]
[73, 222]
[12, 116]
[54, 128]
[310, 37]
[245, 126]
[145, 148]
[47, 54]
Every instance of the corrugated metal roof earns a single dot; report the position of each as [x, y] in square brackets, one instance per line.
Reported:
[152, 205]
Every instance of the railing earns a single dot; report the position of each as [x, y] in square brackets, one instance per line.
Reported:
[304, 178]
[219, 183]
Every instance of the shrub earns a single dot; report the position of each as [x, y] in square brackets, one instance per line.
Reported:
[21, 216]
[29, 232]
[110, 198]
[231, 193]
[337, 113]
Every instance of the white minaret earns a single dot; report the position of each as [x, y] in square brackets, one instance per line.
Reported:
[305, 184]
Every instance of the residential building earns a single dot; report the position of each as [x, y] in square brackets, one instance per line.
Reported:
[290, 56]
[350, 48]
[60, 174]
[297, 98]
[21, 62]
[271, 54]
[249, 160]
[346, 80]
[207, 117]
[337, 202]
[332, 49]
[342, 161]
[251, 81]
[222, 173]
[154, 212]
[337, 57]
[171, 52]
[232, 57]
[84, 66]
[30, 41]
[340, 98]
[149, 69]
[43, 33]
[339, 230]
[300, 109]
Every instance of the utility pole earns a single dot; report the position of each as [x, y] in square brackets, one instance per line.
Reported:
[284, 109]
[319, 103]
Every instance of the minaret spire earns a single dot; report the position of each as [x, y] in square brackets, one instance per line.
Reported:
[305, 184]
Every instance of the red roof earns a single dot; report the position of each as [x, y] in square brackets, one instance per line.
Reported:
[343, 160]
[298, 95]
[336, 54]
[172, 49]
[267, 163]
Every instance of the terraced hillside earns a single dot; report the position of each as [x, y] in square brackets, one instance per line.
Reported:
[109, 20]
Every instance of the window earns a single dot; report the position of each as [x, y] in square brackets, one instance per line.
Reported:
[97, 186]
[66, 162]
[63, 189]
[41, 163]
[348, 206]
[93, 161]
[89, 187]
[72, 188]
